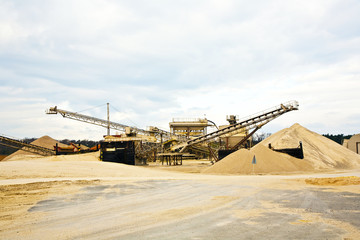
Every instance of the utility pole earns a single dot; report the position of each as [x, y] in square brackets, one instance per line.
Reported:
[108, 120]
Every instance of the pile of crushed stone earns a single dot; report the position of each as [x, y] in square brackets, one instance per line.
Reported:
[320, 154]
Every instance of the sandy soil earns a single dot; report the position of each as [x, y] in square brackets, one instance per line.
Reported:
[79, 197]
[334, 181]
[72, 198]
[188, 166]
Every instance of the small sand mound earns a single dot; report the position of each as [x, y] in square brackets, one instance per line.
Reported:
[320, 154]
[336, 181]
[44, 141]
[267, 161]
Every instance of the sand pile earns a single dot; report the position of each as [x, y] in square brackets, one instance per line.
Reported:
[320, 154]
[44, 141]
[267, 161]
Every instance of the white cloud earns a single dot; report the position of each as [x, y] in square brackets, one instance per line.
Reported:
[158, 60]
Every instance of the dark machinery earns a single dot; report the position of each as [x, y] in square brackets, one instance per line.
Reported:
[295, 152]
[118, 151]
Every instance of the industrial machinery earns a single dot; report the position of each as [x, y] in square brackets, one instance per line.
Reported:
[134, 146]
[65, 150]
[255, 122]
[118, 150]
[189, 127]
[294, 152]
[108, 124]
[18, 144]
[74, 148]
[138, 144]
[32, 148]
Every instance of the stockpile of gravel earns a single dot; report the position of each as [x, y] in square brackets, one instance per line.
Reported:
[320, 154]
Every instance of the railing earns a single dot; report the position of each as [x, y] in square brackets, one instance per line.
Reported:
[290, 104]
[189, 120]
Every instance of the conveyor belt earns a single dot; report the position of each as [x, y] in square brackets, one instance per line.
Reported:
[113, 125]
[10, 142]
[247, 123]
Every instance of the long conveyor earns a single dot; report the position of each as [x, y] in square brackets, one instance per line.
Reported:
[247, 123]
[113, 125]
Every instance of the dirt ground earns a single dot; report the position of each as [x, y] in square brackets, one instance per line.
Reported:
[57, 199]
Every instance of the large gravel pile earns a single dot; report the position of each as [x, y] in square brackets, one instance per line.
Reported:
[320, 154]
[320, 151]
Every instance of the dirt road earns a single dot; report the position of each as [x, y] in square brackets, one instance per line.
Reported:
[187, 206]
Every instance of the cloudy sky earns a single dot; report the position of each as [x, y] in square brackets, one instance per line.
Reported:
[158, 60]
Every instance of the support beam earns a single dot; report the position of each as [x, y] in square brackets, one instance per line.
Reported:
[245, 138]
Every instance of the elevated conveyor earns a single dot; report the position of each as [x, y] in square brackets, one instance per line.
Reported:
[93, 120]
[10, 142]
[250, 122]
[104, 123]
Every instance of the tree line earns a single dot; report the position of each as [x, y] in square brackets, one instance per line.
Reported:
[339, 138]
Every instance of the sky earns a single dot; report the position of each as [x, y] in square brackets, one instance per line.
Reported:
[153, 61]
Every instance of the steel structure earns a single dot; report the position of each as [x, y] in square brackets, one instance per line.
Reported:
[254, 121]
[189, 127]
[108, 124]
[10, 142]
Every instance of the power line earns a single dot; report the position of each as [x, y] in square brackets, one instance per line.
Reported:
[91, 108]
[134, 124]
